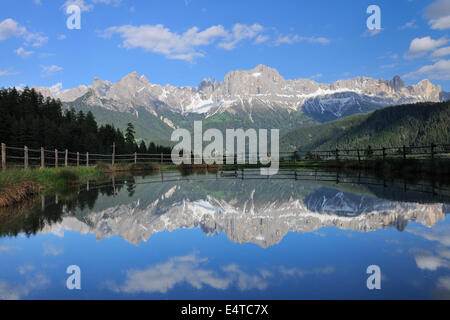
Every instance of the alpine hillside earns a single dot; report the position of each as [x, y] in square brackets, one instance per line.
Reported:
[257, 98]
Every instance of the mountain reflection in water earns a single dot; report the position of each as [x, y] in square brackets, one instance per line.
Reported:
[260, 211]
[297, 235]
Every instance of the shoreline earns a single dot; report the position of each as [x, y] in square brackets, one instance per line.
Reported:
[18, 185]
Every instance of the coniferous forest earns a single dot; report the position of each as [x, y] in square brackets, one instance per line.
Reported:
[29, 119]
[418, 124]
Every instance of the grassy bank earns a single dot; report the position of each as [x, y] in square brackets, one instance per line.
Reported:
[127, 167]
[17, 185]
[410, 169]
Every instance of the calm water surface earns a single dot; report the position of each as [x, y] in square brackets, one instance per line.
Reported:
[205, 236]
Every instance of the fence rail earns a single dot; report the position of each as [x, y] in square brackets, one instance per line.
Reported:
[24, 157]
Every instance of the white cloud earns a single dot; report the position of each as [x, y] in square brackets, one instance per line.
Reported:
[442, 52]
[26, 268]
[51, 249]
[444, 283]
[186, 46]
[61, 37]
[23, 53]
[291, 39]
[159, 39]
[319, 75]
[438, 71]
[189, 269]
[57, 88]
[247, 281]
[38, 2]
[50, 70]
[409, 25]
[297, 272]
[320, 40]
[286, 39]
[8, 292]
[389, 55]
[438, 15]
[261, 39]
[440, 234]
[11, 28]
[444, 252]
[35, 39]
[7, 72]
[7, 249]
[389, 66]
[241, 32]
[47, 54]
[193, 270]
[427, 261]
[108, 2]
[32, 281]
[84, 5]
[421, 46]
[372, 33]
[441, 23]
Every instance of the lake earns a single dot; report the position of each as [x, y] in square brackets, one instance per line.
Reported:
[298, 235]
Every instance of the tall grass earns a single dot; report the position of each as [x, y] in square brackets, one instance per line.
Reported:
[48, 177]
[127, 167]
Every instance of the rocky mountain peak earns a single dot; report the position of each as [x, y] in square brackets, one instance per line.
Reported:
[101, 87]
[396, 83]
[132, 75]
[259, 80]
[260, 88]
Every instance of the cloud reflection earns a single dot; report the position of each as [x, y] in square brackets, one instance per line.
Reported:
[193, 270]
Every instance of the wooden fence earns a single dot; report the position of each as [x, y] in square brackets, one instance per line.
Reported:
[41, 158]
[401, 152]
[24, 157]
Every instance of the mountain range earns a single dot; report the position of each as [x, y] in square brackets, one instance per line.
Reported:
[257, 98]
[251, 213]
[419, 124]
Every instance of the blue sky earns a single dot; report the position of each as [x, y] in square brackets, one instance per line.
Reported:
[183, 41]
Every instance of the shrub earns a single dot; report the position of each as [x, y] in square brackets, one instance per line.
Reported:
[144, 167]
[102, 166]
[68, 176]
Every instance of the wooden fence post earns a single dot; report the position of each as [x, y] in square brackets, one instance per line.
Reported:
[66, 158]
[113, 158]
[404, 152]
[87, 159]
[3, 157]
[56, 158]
[42, 158]
[384, 153]
[295, 156]
[42, 202]
[135, 157]
[25, 158]
[432, 150]
[359, 156]
[162, 157]
[78, 159]
[337, 154]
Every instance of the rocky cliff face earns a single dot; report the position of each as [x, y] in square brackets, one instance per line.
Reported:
[264, 223]
[260, 88]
